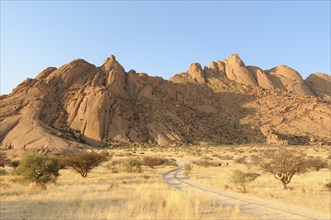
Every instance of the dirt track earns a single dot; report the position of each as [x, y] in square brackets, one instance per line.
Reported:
[260, 208]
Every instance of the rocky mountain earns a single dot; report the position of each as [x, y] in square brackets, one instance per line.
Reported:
[80, 105]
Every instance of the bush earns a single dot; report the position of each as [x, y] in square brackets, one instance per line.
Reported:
[2, 172]
[187, 169]
[205, 163]
[240, 160]
[2, 159]
[240, 177]
[84, 162]
[327, 186]
[14, 163]
[226, 157]
[154, 161]
[133, 165]
[317, 163]
[39, 169]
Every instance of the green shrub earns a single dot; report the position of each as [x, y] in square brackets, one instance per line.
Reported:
[105, 143]
[133, 165]
[83, 162]
[39, 169]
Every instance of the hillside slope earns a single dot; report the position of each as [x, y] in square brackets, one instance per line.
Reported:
[80, 105]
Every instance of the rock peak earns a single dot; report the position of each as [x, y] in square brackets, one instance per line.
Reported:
[235, 59]
[77, 104]
[111, 63]
[197, 73]
[109, 60]
[195, 67]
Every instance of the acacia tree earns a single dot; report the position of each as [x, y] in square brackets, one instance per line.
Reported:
[83, 162]
[284, 163]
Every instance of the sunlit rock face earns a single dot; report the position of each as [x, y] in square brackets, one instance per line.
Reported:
[80, 105]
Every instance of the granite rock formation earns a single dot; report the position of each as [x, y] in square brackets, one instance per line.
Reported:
[80, 105]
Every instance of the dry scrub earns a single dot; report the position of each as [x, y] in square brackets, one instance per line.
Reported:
[309, 190]
[111, 192]
[107, 195]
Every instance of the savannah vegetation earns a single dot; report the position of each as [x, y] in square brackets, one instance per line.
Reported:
[283, 163]
[123, 184]
[38, 169]
[83, 162]
[308, 187]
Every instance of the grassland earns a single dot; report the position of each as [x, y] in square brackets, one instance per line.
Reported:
[109, 192]
[308, 190]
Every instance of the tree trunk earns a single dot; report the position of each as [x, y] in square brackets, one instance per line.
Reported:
[284, 185]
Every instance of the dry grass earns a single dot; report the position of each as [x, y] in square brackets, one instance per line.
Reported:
[110, 193]
[107, 195]
[306, 190]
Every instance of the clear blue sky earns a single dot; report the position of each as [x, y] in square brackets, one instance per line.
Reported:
[162, 38]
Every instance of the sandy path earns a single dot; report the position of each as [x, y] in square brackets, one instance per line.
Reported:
[260, 208]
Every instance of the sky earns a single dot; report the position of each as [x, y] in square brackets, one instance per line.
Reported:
[162, 38]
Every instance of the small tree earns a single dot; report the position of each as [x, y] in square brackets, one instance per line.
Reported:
[284, 163]
[84, 162]
[39, 169]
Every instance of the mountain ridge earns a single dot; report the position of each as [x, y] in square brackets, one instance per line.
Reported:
[79, 105]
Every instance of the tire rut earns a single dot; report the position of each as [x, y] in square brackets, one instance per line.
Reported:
[257, 207]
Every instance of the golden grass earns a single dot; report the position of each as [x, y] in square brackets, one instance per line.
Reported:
[120, 195]
[104, 195]
[305, 190]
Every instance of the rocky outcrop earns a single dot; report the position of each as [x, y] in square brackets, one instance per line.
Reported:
[320, 84]
[197, 73]
[289, 80]
[80, 105]
[238, 72]
[262, 78]
[281, 77]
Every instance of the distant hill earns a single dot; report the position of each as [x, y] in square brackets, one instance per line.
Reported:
[80, 105]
